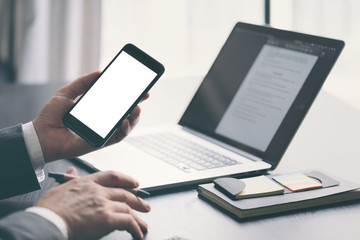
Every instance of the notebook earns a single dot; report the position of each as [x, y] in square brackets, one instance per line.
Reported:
[242, 117]
[245, 208]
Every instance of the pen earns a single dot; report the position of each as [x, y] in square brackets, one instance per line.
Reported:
[61, 178]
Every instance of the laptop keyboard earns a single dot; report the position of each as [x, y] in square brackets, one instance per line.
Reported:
[180, 152]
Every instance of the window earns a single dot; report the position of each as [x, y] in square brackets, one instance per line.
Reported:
[184, 35]
[329, 18]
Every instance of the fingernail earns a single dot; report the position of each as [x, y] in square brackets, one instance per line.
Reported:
[137, 184]
[147, 205]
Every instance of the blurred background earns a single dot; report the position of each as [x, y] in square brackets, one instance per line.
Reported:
[44, 41]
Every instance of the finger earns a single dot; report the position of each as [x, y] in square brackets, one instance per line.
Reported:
[124, 208]
[113, 179]
[127, 125]
[72, 171]
[145, 97]
[79, 86]
[134, 116]
[124, 130]
[122, 195]
[130, 122]
[130, 223]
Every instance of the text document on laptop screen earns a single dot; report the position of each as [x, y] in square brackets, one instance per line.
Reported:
[266, 94]
[260, 87]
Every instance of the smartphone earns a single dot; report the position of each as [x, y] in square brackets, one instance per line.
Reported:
[113, 95]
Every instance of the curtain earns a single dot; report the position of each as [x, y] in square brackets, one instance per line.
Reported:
[50, 40]
[6, 41]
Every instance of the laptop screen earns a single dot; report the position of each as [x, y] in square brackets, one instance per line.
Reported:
[260, 87]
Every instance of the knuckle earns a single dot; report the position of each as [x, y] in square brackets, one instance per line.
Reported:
[131, 222]
[114, 176]
[93, 188]
[107, 218]
[77, 186]
[77, 181]
[99, 201]
[124, 196]
[127, 209]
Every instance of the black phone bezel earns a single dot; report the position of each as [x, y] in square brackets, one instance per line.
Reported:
[87, 133]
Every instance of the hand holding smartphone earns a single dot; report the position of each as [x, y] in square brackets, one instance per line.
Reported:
[113, 95]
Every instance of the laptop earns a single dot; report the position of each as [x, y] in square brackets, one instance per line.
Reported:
[241, 118]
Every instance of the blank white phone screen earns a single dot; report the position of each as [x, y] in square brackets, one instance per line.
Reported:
[113, 94]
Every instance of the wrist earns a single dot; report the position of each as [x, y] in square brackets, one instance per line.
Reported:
[52, 217]
[42, 141]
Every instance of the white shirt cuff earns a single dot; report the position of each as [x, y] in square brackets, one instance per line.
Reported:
[52, 217]
[34, 150]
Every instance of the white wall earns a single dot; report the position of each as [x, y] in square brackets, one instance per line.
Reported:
[330, 18]
[185, 35]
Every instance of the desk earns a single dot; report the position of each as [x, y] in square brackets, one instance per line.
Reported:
[327, 140]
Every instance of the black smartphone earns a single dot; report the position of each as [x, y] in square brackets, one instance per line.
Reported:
[113, 95]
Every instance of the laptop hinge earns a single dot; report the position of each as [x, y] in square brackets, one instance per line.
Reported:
[223, 145]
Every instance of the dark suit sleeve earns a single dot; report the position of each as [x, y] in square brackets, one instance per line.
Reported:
[17, 175]
[26, 225]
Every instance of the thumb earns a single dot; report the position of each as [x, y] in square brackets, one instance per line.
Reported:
[72, 171]
[79, 86]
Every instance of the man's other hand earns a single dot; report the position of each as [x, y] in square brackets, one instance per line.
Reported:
[95, 205]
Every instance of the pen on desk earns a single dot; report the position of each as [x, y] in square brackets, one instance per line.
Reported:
[61, 178]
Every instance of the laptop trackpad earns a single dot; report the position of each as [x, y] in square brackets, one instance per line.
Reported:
[125, 158]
